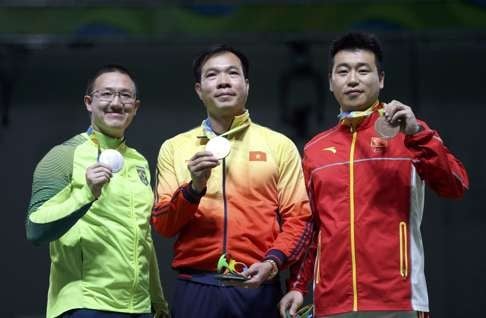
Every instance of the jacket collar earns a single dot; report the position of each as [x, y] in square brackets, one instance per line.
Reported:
[104, 141]
[240, 123]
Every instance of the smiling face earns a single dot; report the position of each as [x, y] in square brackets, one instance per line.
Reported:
[355, 80]
[223, 87]
[111, 118]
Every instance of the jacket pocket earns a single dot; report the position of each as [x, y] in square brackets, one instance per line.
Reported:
[402, 232]
[317, 272]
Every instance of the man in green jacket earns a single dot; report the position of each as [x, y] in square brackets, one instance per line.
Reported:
[91, 201]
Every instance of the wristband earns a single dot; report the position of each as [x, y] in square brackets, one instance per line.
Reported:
[274, 271]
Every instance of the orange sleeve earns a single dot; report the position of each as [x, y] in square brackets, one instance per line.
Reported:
[175, 205]
[294, 208]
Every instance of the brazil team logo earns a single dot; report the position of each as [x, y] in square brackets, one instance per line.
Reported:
[142, 175]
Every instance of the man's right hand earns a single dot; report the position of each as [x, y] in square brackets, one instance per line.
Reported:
[290, 303]
[96, 176]
[200, 166]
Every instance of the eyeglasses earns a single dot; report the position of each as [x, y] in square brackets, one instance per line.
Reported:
[108, 95]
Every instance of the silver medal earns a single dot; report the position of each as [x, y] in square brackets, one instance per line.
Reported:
[112, 158]
[219, 146]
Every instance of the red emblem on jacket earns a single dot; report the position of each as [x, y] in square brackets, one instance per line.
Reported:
[378, 144]
[257, 156]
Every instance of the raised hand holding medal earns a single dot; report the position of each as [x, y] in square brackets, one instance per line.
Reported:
[202, 162]
[112, 158]
[109, 161]
[385, 129]
[396, 117]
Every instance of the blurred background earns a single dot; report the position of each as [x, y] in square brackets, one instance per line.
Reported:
[434, 61]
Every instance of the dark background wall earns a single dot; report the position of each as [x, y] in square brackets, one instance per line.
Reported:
[439, 74]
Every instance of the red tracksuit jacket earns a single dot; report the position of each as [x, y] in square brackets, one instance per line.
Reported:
[367, 195]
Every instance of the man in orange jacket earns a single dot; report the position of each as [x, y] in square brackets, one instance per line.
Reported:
[233, 191]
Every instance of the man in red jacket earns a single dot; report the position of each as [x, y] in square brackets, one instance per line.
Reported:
[365, 178]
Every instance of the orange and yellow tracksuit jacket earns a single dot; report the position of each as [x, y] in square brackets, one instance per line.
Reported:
[255, 206]
[367, 195]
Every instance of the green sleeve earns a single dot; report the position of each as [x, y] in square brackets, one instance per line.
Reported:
[157, 297]
[56, 203]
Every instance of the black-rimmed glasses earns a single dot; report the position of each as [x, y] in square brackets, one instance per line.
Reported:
[108, 95]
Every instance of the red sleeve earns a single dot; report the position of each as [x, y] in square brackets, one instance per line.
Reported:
[440, 169]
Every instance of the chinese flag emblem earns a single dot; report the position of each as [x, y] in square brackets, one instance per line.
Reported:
[258, 156]
[378, 144]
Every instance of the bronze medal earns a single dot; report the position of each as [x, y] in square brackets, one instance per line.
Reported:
[384, 129]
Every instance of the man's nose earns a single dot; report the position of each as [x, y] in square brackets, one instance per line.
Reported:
[116, 101]
[223, 80]
[353, 78]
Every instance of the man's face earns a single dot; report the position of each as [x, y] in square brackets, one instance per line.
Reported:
[223, 88]
[354, 80]
[112, 117]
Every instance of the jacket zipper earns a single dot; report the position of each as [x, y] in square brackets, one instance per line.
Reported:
[351, 221]
[402, 231]
[225, 205]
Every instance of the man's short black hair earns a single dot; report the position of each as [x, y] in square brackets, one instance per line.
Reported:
[357, 41]
[214, 50]
[108, 69]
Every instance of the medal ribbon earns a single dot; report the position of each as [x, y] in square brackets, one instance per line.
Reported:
[92, 135]
[359, 113]
[231, 266]
[303, 312]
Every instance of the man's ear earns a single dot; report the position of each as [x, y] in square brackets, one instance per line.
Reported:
[197, 88]
[136, 106]
[330, 81]
[87, 102]
[382, 79]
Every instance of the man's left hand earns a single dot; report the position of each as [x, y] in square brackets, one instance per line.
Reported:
[397, 113]
[257, 273]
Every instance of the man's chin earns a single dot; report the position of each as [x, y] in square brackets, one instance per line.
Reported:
[115, 125]
[355, 107]
[229, 109]
[115, 122]
[226, 105]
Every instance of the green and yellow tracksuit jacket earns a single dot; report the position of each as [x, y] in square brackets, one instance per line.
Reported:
[101, 250]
